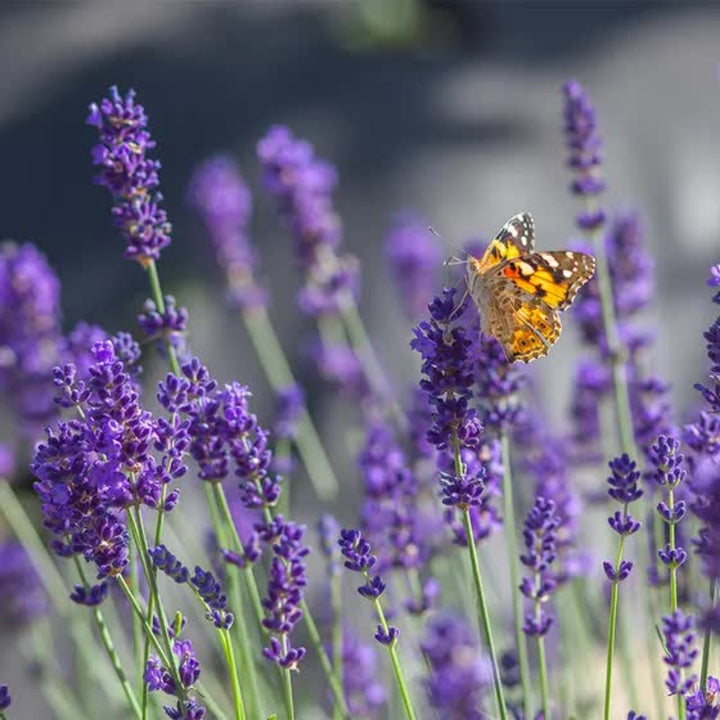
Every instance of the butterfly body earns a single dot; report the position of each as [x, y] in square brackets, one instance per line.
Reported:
[519, 292]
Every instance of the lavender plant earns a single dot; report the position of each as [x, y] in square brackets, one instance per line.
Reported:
[174, 607]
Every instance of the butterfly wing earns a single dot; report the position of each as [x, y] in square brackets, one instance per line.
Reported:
[514, 239]
[525, 327]
[526, 294]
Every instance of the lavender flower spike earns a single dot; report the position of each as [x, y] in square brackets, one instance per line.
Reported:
[222, 199]
[584, 145]
[5, 699]
[130, 175]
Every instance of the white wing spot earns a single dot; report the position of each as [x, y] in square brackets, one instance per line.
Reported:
[570, 254]
[567, 273]
[550, 260]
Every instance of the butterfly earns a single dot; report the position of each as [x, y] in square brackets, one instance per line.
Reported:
[519, 292]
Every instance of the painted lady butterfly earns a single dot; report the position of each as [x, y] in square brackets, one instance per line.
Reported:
[519, 292]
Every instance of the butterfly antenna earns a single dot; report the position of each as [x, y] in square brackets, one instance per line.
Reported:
[453, 260]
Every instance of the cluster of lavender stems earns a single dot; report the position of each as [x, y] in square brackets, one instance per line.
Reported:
[111, 475]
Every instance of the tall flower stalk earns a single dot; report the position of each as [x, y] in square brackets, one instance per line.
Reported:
[539, 534]
[624, 490]
[219, 194]
[445, 347]
[359, 559]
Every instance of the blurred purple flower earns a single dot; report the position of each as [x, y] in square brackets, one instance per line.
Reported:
[302, 186]
[364, 693]
[219, 194]
[459, 674]
[7, 462]
[539, 534]
[30, 338]
[584, 146]
[680, 652]
[413, 258]
[24, 598]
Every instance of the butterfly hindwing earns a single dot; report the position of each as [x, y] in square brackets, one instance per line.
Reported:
[514, 239]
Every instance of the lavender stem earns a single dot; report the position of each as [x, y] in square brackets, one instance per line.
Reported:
[511, 545]
[107, 642]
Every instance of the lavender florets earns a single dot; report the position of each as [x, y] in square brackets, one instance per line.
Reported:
[130, 175]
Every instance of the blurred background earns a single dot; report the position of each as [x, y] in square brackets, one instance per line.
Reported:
[448, 108]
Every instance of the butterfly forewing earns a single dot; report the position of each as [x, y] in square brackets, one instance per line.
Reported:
[514, 239]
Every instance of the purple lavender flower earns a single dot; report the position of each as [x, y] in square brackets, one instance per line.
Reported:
[190, 711]
[24, 598]
[413, 258]
[447, 366]
[448, 378]
[158, 677]
[546, 458]
[290, 405]
[539, 535]
[221, 197]
[701, 436]
[87, 469]
[630, 270]
[358, 558]
[632, 715]
[704, 705]
[668, 473]
[168, 326]
[130, 175]
[584, 145]
[30, 338]
[364, 694]
[624, 490]
[302, 186]
[286, 586]
[5, 699]
[680, 651]
[497, 381]
[484, 461]
[391, 503]
[328, 531]
[460, 676]
[7, 462]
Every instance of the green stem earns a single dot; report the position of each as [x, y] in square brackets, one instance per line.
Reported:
[673, 588]
[137, 531]
[511, 545]
[239, 634]
[238, 703]
[707, 641]
[160, 304]
[279, 375]
[107, 642]
[483, 615]
[140, 614]
[611, 632]
[288, 694]
[542, 671]
[362, 345]
[316, 641]
[336, 634]
[395, 660]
